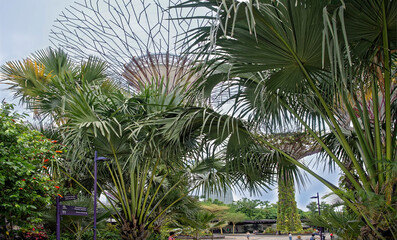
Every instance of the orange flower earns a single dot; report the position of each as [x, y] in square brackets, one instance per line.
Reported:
[60, 195]
[34, 178]
[57, 187]
[23, 180]
[45, 167]
[46, 160]
[58, 151]
[54, 141]
[20, 188]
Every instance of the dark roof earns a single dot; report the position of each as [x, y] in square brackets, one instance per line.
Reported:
[261, 221]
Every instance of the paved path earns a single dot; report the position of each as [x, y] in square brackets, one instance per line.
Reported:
[266, 237]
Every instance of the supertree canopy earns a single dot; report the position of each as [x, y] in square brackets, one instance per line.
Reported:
[142, 41]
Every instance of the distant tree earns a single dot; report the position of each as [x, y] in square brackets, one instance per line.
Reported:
[220, 211]
[235, 217]
[271, 211]
[313, 208]
[248, 207]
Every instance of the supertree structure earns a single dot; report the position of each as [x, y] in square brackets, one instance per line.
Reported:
[140, 40]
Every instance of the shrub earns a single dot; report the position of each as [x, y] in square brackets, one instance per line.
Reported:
[270, 230]
[25, 163]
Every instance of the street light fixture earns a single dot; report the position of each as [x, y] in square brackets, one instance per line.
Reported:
[96, 159]
[319, 213]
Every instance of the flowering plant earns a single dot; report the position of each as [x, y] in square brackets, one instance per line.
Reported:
[27, 163]
[36, 234]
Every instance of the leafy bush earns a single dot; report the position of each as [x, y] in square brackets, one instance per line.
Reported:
[26, 158]
[270, 230]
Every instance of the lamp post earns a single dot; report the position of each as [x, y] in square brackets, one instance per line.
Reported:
[319, 213]
[96, 158]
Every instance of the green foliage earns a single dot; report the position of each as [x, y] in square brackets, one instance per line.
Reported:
[110, 232]
[332, 76]
[249, 207]
[344, 224]
[27, 162]
[270, 230]
[77, 225]
[235, 217]
[147, 176]
[313, 207]
[288, 219]
[201, 222]
[255, 209]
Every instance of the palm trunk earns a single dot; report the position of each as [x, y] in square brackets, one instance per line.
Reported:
[131, 231]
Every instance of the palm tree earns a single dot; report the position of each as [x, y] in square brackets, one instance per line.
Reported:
[149, 174]
[150, 62]
[220, 211]
[291, 69]
[43, 80]
[342, 223]
[93, 114]
[201, 221]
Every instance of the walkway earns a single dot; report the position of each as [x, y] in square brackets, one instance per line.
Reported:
[267, 237]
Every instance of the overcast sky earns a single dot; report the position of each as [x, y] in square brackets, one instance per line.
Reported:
[24, 28]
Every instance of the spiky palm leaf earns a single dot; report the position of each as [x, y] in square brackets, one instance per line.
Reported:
[314, 60]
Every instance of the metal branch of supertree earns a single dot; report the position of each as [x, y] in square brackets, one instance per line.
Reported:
[125, 33]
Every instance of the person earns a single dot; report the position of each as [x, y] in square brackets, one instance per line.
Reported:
[299, 237]
[290, 236]
[312, 238]
[332, 236]
[172, 235]
[248, 235]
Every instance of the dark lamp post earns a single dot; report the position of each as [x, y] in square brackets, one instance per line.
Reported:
[319, 213]
[96, 159]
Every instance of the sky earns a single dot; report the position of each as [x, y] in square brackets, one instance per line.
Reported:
[24, 28]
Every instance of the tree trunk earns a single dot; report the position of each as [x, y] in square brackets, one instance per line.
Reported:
[131, 231]
[288, 219]
[234, 225]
